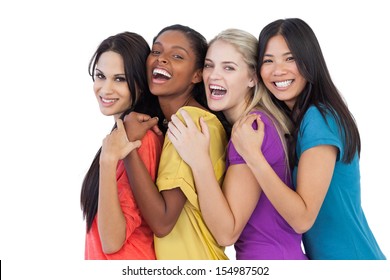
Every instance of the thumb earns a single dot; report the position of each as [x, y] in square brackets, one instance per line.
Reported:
[136, 143]
[260, 124]
[150, 122]
[130, 147]
[119, 124]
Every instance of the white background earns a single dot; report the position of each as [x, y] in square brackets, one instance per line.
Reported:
[51, 126]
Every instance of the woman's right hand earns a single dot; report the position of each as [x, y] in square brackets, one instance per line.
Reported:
[137, 124]
[191, 144]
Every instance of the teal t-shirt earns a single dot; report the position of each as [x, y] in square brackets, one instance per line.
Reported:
[341, 230]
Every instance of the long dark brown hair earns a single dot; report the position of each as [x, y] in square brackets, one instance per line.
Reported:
[320, 90]
[134, 50]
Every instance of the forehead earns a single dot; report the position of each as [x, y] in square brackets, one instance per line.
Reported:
[174, 38]
[110, 60]
[224, 51]
[277, 43]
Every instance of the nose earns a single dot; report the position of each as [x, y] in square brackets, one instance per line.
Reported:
[162, 60]
[279, 69]
[214, 73]
[107, 87]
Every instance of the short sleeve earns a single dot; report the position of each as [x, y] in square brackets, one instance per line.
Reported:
[271, 148]
[316, 130]
[174, 172]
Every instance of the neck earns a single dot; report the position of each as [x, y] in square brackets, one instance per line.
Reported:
[170, 107]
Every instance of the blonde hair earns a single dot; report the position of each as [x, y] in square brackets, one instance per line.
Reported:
[247, 45]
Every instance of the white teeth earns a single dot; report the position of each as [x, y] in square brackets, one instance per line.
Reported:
[161, 72]
[217, 87]
[108, 100]
[284, 83]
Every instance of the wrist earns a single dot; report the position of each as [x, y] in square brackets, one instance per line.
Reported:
[107, 161]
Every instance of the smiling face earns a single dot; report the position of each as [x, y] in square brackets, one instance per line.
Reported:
[228, 80]
[171, 65]
[110, 85]
[280, 73]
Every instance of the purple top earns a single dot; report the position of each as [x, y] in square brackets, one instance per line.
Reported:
[267, 236]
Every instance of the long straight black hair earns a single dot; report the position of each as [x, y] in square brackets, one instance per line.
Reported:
[320, 90]
[134, 51]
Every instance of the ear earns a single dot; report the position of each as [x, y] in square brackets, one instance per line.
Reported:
[252, 81]
[197, 77]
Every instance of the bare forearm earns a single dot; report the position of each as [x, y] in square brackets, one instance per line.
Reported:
[214, 205]
[149, 200]
[111, 221]
[286, 201]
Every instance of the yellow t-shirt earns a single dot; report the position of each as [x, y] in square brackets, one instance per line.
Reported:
[190, 239]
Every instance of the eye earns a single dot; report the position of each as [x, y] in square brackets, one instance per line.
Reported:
[290, 58]
[177, 56]
[120, 79]
[207, 65]
[229, 68]
[99, 76]
[154, 52]
[267, 61]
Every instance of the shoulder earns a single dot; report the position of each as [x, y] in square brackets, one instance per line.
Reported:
[196, 113]
[265, 118]
[151, 140]
[316, 117]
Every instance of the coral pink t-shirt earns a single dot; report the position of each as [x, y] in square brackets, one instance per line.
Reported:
[139, 237]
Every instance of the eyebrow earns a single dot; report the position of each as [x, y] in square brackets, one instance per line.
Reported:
[223, 62]
[284, 54]
[173, 47]
[97, 69]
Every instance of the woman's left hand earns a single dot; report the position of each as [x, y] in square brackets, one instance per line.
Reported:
[245, 138]
[116, 145]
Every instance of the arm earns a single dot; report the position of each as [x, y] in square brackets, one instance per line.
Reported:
[111, 221]
[160, 210]
[225, 211]
[315, 169]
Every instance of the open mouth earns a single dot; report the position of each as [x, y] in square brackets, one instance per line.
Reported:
[161, 74]
[217, 91]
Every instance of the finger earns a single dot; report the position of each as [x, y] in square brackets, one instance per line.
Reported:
[143, 117]
[171, 136]
[251, 118]
[157, 130]
[260, 124]
[172, 129]
[132, 146]
[148, 124]
[137, 116]
[187, 119]
[136, 143]
[179, 125]
[119, 124]
[204, 127]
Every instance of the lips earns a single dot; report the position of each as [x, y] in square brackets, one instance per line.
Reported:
[217, 90]
[283, 84]
[159, 73]
[108, 101]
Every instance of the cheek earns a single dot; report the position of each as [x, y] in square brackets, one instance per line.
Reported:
[263, 74]
[95, 87]
[205, 75]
